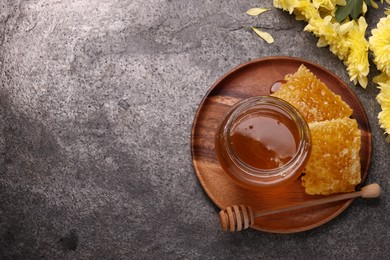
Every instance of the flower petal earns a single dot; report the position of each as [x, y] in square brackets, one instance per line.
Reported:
[341, 2]
[346, 27]
[374, 4]
[264, 35]
[256, 11]
[364, 8]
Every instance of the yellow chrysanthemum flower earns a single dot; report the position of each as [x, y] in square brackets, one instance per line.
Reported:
[380, 45]
[347, 41]
[357, 60]
[305, 10]
[332, 34]
[384, 100]
[286, 5]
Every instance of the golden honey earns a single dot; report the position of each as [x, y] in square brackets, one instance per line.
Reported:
[265, 139]
[262, 142]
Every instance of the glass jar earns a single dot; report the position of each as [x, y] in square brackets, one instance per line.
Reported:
[263, 142]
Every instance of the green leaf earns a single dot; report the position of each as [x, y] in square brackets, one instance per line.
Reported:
[353, 8]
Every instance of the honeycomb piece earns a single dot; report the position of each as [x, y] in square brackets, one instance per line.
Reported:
[311, 97]
[334, 164]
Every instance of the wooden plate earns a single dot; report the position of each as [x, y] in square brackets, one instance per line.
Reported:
[252, 79]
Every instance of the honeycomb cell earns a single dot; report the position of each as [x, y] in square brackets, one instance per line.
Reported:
[311, 97]
[334, 164]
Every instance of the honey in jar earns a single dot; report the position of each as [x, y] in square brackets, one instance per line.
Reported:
[262, 142]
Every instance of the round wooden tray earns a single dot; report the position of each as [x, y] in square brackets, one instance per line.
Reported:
[252, 79]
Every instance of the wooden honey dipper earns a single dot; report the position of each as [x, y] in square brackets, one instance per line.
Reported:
[239, 217]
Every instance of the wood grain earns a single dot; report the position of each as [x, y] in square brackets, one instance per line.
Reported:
[253, 79]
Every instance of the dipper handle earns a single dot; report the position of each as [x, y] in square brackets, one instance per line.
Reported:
[238, 217]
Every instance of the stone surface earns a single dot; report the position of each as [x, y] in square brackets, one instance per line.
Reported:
[96, 105]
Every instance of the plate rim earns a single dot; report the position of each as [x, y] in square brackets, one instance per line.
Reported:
[347, 203]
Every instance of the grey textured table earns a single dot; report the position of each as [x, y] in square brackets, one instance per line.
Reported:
[97, 102]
